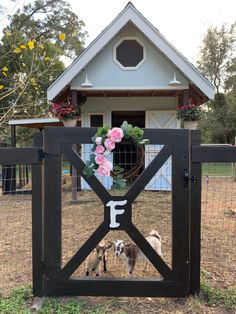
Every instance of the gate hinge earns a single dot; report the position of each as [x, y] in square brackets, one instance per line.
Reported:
[187, 178]
[42, 265]
[47, 268]
[42, 155]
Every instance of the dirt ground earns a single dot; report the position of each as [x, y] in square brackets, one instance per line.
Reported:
[151, 210]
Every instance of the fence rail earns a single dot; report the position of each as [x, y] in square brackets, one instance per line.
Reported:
[12, 155]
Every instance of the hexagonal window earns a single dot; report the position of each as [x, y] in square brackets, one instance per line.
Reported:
[129, 53]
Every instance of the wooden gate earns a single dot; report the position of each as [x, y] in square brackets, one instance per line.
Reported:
[176, 280]
[182, 278]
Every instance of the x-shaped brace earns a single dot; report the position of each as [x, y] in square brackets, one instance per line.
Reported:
[111, 212]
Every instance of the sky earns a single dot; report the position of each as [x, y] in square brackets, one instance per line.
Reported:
[183, 23]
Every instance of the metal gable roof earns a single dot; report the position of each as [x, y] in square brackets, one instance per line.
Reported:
[131, 14]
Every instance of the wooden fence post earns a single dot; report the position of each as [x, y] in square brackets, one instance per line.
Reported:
[195, 218]
[37, 222]
[234, 165]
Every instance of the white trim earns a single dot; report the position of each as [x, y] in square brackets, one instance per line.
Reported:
[131, 14]
[34, 120]
[114, 58]
[118, 88]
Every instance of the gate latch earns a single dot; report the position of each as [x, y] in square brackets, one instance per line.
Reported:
[187, 178]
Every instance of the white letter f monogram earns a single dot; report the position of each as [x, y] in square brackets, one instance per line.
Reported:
[114, 212]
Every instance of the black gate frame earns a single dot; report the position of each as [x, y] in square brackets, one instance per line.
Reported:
[176, 281]
[182, 280]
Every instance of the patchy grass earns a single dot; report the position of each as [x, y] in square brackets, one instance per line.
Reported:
[216, 295]
[21, 300]
[217, 169]
[16, 303]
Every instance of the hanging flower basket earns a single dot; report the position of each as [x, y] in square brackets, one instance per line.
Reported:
[191, 125]
[105, 141]
[70, 122]
[189, 112]
[65, 111]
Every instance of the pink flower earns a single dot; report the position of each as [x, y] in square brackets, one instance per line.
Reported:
[105, 169]
[115, 134]
[109, 144]
[108, 164]
[100, 159]
[99, 149]
[98, 140]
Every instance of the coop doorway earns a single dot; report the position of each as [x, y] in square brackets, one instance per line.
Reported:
[127, 155]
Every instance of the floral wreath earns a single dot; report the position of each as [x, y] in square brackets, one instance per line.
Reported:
[104, 142]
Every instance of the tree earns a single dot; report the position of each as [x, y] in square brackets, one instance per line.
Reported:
[31, 51]
[54, 21]
[217, 54]
[218, 62]
[230, 83]
[219, 121]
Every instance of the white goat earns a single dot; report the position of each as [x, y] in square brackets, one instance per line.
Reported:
[94, 259]
[130, 253]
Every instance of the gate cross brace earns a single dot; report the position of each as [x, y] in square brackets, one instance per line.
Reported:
[105, 197]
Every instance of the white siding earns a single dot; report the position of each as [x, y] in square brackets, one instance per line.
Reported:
[102, 71]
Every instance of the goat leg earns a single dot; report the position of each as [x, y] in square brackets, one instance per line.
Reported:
[131, 265]
[104, 264]
[145, 266]
[97, 271]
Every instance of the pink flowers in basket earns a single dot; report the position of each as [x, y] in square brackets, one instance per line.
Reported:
[65, 111]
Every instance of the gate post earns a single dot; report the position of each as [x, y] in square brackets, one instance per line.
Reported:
[37, 222]
[180, 211]
[195, 217]
[52, 213]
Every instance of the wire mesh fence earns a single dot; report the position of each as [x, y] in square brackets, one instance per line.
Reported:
[151, 210]
[218, 244]
[15, 227]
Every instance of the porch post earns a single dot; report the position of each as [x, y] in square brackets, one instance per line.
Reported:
[186, 97]
[74, 183]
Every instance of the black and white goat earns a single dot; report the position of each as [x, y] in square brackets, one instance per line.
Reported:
[131, 254]
[98, 255]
